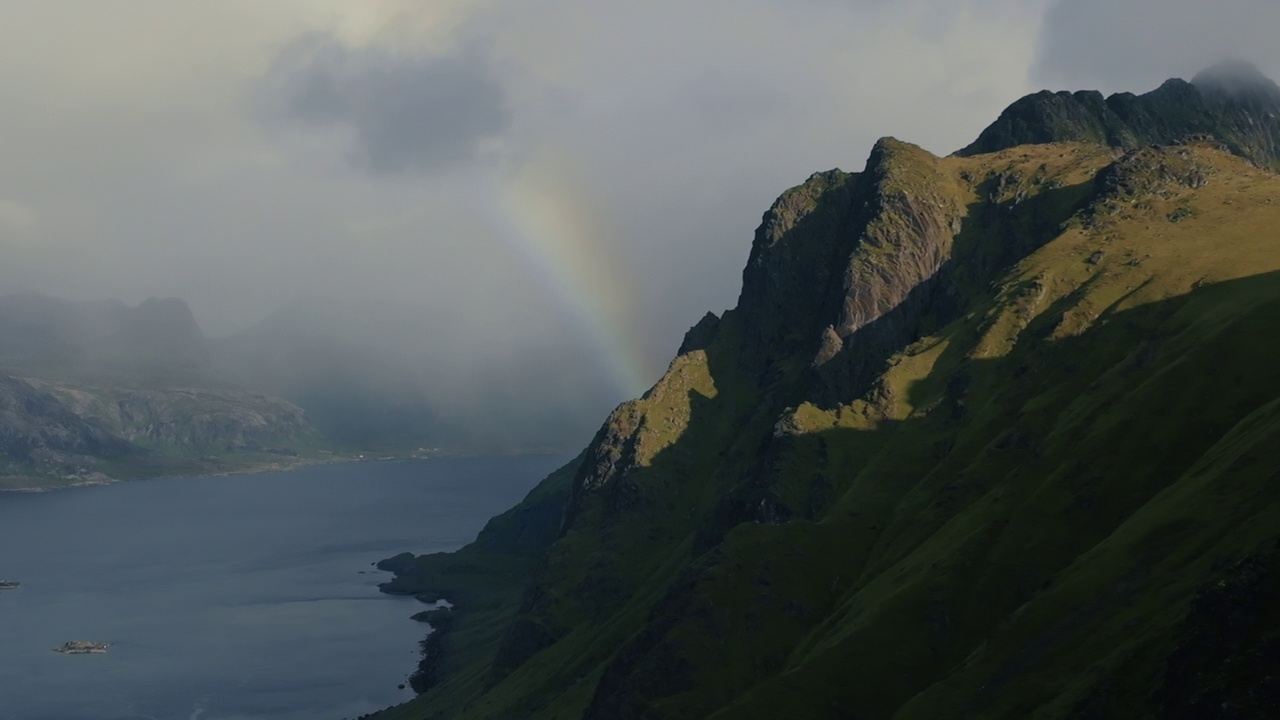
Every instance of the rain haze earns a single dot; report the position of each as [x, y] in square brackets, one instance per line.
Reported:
[537, 199]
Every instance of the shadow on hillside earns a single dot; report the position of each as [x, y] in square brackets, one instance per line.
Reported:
[729, 451]
[994, 235]
[1098, 423]
[984, 431]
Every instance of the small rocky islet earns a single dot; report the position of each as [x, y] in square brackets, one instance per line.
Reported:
[71, 647]
[82, 647]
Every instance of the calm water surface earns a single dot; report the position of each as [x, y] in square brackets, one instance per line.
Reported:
[231, 598]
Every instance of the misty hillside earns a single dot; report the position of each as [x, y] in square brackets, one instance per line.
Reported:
[354, 394]
[314, 378]
[158, 341]
[380, 374]
[41, 436]
[990, 436]
[95, 391]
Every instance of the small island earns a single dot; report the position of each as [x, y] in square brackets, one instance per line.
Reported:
[82, 647]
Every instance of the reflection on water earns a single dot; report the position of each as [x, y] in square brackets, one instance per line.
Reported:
[231, 598]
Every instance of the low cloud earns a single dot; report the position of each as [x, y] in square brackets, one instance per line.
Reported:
[1133, 45]
[541, 183]
[15, 218]
[403, 112]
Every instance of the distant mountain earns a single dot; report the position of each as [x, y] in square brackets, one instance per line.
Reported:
[41, 436]
[1232, 103]
[385, 374]
[317, 375]
[91, 391]
[53, 433]
[155, 341]
[988, 436]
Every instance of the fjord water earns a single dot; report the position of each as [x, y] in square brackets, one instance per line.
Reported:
[231, 598]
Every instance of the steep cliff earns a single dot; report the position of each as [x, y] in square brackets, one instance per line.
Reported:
[985, 436]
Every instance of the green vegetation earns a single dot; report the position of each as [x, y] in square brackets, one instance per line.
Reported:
[992, 436]
[483, 582]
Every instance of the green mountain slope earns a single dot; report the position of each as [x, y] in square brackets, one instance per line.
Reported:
[987, 436]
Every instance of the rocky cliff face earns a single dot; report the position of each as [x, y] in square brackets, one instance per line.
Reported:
[967, 446]
[41, 436]
[849, 249]
[1232, 103]
[55, 433]
[100, 390]
[192, 420]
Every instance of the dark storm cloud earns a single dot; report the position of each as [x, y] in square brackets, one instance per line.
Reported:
[1133, 45]
[406, 113]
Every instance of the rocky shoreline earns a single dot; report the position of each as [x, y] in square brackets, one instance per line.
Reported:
[430, 671]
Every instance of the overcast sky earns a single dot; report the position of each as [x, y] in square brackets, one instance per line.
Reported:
[513, 167]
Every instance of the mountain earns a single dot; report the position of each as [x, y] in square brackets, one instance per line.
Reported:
[96, 391]
[315, 378]
[1231, 102]
[992, 435]
[41, 436]
[156, 341]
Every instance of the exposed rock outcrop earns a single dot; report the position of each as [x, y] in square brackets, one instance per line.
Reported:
[189, 419]
[39, 435]
[1232, 103]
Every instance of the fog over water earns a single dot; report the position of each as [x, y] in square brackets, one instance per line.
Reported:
[560, 185]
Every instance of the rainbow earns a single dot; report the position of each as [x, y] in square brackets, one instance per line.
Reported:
[549, 224]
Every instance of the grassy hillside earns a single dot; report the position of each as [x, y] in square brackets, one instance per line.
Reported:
[985, 437]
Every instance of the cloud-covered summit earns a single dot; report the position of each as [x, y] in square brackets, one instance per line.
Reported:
[1133, 45]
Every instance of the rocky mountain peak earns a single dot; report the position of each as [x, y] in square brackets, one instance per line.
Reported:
[162, 322]
[965, 433]
[1232, 102]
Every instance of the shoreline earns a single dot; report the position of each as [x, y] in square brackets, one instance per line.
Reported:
[55, 488]
[267, 467]
[254, 469]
